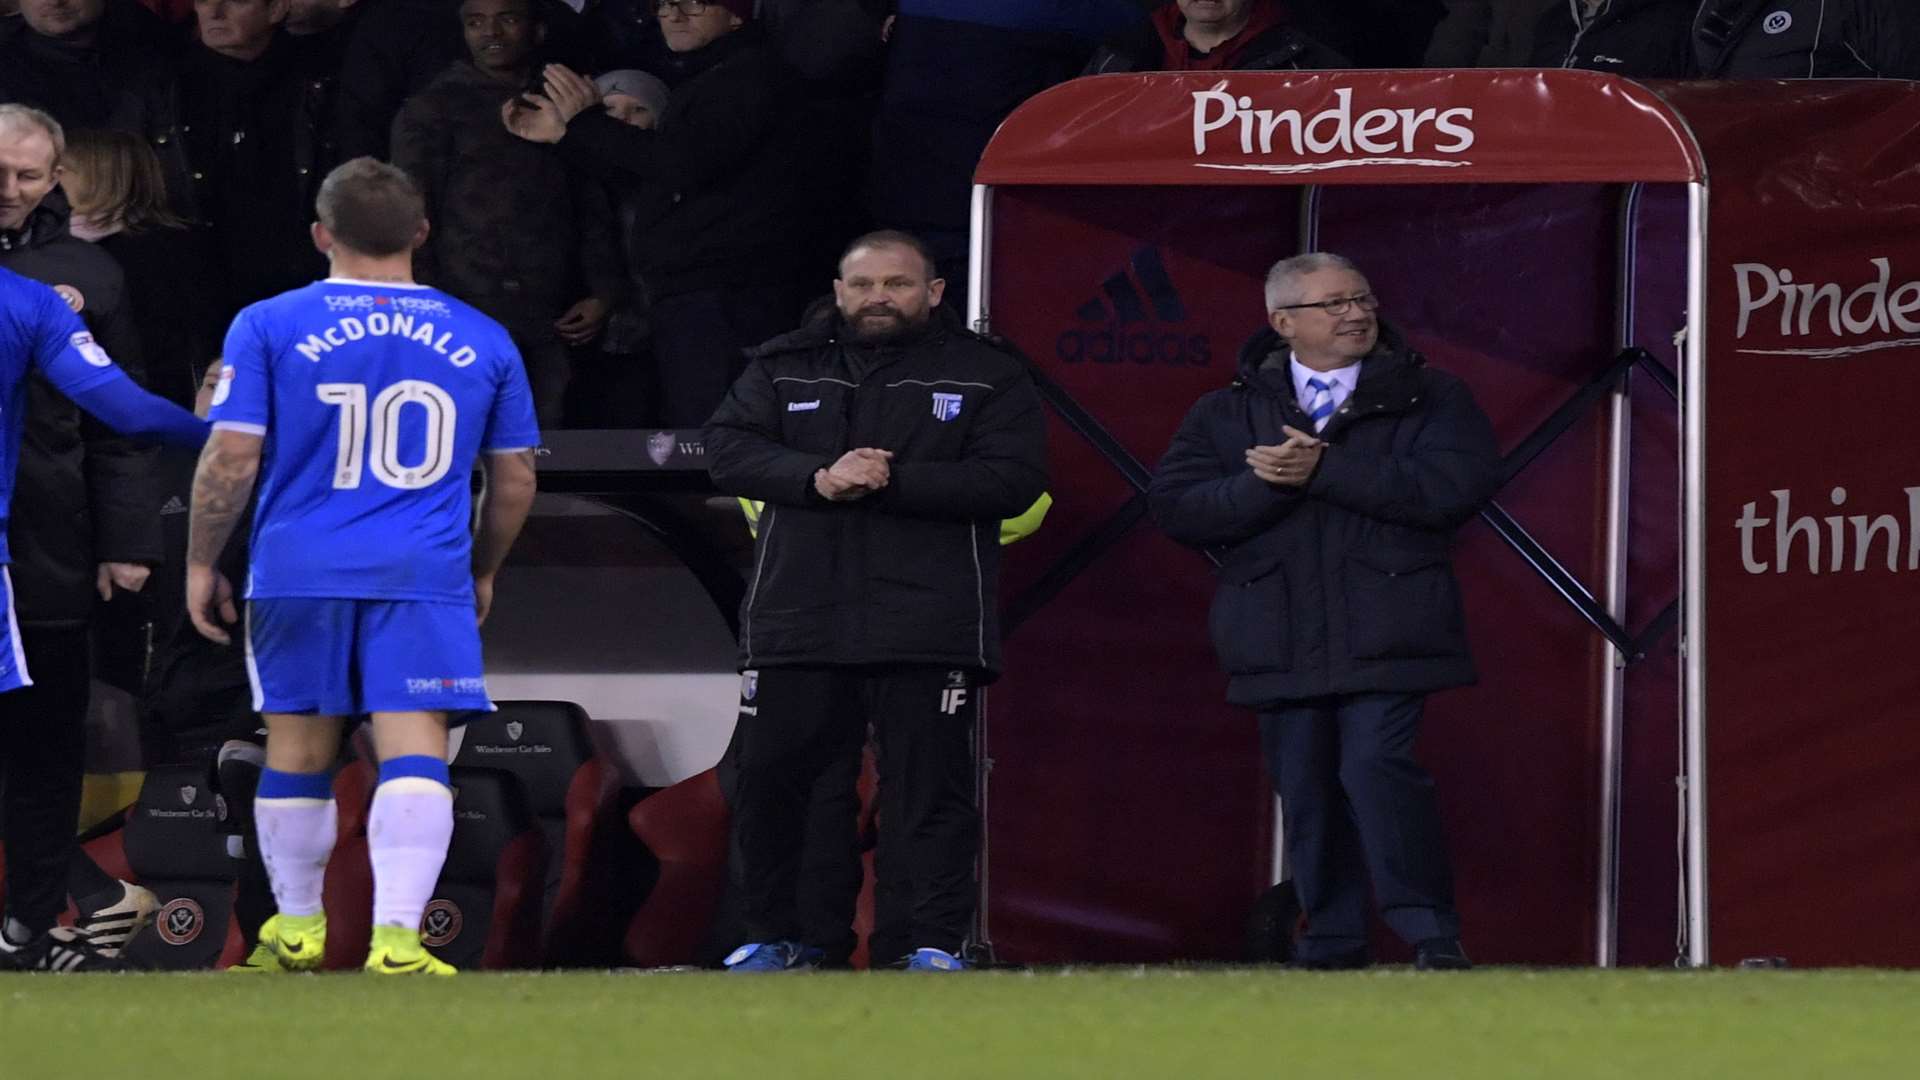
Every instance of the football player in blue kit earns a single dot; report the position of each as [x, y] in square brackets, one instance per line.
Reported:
[362, 402]
[39, 332]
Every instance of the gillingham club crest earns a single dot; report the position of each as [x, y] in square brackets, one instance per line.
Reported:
[946, 406]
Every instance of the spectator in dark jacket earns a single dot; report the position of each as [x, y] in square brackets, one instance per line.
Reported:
[97, 64]
[836, 49]
[954, 70]
[1645, 39]
[516, 232]
[1330, 478]
[1807, 39]
[1215, 35]
[257, 137]
[714, 185]
[320, 30]
[399, 46]
[82, 524]
[172, 268]
[887, 448]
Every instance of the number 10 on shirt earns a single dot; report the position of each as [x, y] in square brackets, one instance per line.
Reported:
[374, 434]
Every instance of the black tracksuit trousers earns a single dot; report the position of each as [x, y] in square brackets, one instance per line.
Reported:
[799, 869]
[43, 749]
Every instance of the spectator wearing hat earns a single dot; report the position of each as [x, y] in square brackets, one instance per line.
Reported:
[632, 96]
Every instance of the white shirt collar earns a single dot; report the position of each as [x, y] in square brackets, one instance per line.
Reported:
[1343, 378]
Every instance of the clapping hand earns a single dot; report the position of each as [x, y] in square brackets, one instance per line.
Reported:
[1290, 464]
[857, 474]
[570, 92]
[533, 118]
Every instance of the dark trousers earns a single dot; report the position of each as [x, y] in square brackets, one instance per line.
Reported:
[1355, 803]
[549, 364]
[799, 867]
[43, 747]
[699, 339]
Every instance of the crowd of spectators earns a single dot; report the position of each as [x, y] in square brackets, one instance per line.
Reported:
[680, 192]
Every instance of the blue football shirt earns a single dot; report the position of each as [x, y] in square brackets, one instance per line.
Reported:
[374, 400]
[38, 332]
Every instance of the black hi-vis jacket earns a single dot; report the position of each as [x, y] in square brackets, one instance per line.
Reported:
[909, 574]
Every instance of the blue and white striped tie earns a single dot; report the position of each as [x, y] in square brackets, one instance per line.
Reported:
[1321, 407]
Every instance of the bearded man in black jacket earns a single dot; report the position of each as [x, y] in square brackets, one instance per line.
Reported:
[887, 446]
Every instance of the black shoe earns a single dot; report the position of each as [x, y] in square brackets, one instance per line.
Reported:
[1441, 954]
[1348, 960]
[58, 950]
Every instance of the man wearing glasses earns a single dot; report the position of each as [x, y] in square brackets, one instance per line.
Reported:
[1329, 479]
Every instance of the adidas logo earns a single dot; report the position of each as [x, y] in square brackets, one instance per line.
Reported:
[1136, 312]
[173, 506]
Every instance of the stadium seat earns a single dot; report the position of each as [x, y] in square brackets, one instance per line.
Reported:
[347, 892]
[173, 847]
[593, 873]
[685, 827]
[485, 913]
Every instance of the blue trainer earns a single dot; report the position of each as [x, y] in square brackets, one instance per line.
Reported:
[769, 956]
[935, 960]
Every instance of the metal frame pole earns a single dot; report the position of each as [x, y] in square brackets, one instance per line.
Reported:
[979, 258]
[1693, 656]
[1613, 663]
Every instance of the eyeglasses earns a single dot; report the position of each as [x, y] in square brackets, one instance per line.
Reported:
[689, 8]
[1339, 305]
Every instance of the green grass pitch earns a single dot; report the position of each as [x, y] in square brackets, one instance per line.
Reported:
[1177, 1023]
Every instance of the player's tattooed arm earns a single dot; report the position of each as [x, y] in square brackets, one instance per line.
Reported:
[222, 484]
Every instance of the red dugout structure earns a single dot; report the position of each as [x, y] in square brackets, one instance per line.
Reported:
[1692, 311]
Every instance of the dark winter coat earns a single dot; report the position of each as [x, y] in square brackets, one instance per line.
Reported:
[908, 575]
[1807, 39]
[1344, 586]
[1645, 39]
[516, 232]
[82, 495]
[1272, 42]
[954, 71]
[713, 183]
[257, 138]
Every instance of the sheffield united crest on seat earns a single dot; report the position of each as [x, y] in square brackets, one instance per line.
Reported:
[660, 446]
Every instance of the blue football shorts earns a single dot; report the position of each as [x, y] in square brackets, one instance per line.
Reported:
[13, 653]
[344, 657]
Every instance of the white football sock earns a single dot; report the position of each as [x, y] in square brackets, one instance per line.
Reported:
[408, 832]
[296, 838]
